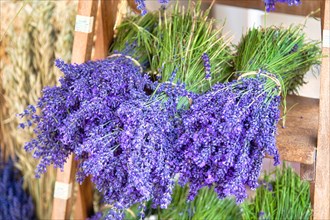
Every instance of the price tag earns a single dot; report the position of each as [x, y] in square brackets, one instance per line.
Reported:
[62, 190]
[84, 24]
[326, 38]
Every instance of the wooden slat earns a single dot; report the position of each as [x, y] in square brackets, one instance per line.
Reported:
[307, 172]
[132, 5]
[304, 9]
[104, 31]
[105, 21]
[297, 141]
[84, 200]
[322, 178]
[82, 47]
[62, 208]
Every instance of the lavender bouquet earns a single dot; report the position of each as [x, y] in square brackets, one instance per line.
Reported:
[138, 162]
[14, 201]
[123, 138]
[225, 135]
[176, 44]
[69, 111]
[284, 197]
[134, 38]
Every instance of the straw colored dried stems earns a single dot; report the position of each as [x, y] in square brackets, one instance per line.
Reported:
[5, 20]
[45, 33]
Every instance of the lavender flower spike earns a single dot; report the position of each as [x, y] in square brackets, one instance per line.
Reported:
[270, 4]
[207, 65]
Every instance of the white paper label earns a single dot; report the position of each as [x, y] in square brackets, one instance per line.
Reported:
[84, 24]
[62, 190]
[326, 38]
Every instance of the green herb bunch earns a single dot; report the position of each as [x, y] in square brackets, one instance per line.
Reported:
[284, 52]
[173, 43]
[135, 38]
[182, 39]
[206, 205]
[285, 197]
[281, 195]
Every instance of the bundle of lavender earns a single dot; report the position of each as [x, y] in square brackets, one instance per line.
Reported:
[281, 195]
[14, 201]
[225, 135]
[123, 138]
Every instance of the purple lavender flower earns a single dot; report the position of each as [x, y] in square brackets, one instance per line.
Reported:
[88, 96]
[262, 216]
[294, 49]
[226, 134]
[123, 138]
[140, 4]
[164, 1]
[207, 65]
[270, 4]
[14, 202]
[96, 216]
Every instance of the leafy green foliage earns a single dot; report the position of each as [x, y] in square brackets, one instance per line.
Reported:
[285, 197]
[206, 205]
[282, 195]
[174, 42]
[135, 37]
[182, 38]
[284, 52]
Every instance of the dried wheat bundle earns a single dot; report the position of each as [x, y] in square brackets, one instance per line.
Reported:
[45, 33]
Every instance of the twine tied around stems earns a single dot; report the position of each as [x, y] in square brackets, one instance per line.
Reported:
[128, 57]
[268, 75]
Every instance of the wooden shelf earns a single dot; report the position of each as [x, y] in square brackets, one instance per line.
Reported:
[297, 141]
[303, 9]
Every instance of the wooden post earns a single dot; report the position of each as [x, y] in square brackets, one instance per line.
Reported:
[322, 178]
[82, 47]
[105, 21]
[307, 172]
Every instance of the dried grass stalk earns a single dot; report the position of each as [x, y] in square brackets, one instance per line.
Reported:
[46, 33]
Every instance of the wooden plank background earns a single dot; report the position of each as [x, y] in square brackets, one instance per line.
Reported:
[81, 52]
